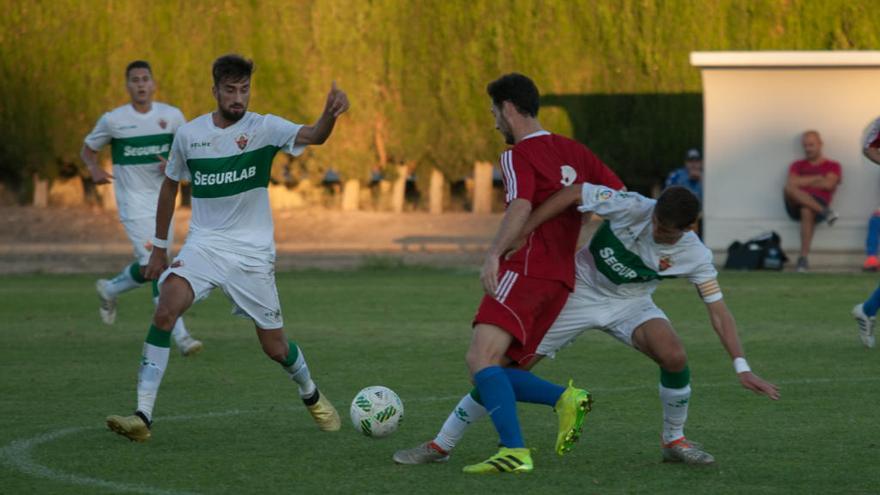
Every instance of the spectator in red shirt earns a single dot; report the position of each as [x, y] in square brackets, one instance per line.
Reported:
[808, 191]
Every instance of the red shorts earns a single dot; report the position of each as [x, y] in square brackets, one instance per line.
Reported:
[524, 307]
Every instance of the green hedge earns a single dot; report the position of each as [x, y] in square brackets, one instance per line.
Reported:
[614, 73]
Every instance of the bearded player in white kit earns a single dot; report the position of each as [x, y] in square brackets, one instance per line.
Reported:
[228, 156]
[139, 135]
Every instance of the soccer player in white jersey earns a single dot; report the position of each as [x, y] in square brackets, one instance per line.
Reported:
[640, 242]
[139, 135]
[228, 156]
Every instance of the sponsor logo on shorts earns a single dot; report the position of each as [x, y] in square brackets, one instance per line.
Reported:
[273, 315]
[604, 194]
[607, 255]
[203, 179]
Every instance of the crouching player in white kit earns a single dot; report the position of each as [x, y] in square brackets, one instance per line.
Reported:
[140, 136]
[640, 242]
[228, 156]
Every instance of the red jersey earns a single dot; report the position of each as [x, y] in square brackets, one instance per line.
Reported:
[804, 168]
[534, 169]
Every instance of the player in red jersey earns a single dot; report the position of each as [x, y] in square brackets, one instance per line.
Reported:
[526, 290]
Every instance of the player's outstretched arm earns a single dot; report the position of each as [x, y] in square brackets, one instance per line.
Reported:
[556, 204]
[90, 157]
[164, 212]
[725, 327]
[336, 105]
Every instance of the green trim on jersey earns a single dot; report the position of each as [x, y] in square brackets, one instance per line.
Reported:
[616, 262]
[231, 175]
[140, 150]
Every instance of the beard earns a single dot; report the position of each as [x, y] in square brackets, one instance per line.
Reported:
[232, 115]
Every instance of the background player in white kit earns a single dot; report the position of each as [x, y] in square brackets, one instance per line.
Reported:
[640, 242]
[228, 156]
[140, 135]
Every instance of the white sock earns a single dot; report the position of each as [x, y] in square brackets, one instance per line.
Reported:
[675, 411]
[122, 283]
[153, 364]
[299, 372]
[466, 412]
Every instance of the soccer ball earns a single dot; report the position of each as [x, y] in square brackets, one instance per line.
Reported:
[376, 411]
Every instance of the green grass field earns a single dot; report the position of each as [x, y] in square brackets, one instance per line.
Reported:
[229, 421]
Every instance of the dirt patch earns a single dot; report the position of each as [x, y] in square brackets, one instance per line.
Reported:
[92, 240]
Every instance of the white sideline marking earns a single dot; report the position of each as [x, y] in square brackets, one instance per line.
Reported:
[17, 454]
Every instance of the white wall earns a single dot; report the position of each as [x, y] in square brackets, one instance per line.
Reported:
[756, 105]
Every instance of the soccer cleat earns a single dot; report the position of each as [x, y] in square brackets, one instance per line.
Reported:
[323, 412]
[131, 427]
[108, 303]
[572, 408]
[866, 326]
[505, 461]
[425, 453]
[871, 264]
[189, 346]
[682, 450]
[802, 265]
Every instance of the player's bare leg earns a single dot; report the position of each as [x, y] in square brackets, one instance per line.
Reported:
[657, 340]
[176, 297]
[289, 355]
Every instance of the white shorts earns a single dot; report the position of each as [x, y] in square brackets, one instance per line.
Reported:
[140, 232]
[585, 310]
[248, 283]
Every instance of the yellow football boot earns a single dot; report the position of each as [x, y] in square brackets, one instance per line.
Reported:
[131, 427]
[323, 412]
[572, 408]
[505, 461]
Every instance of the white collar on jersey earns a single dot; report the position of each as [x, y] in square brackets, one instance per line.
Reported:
[542, 132]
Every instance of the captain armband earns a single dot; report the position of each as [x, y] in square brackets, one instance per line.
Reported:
[710, 291]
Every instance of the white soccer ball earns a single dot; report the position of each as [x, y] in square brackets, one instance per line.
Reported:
[376, 411]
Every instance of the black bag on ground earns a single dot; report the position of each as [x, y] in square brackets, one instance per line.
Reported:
[763, 252]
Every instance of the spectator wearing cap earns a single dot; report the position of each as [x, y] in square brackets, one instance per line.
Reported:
[689, 176]
[808, 191]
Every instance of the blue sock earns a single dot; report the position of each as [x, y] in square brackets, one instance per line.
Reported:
[530, 388]
[872, 304]
[498, 398]
[873, 235]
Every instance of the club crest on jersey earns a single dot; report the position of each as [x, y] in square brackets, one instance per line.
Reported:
[242, 141]
[569, 174]
[664, 263]
[163, 123]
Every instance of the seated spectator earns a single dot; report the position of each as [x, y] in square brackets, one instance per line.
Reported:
[689, 176]
[871, 150]
[808, 191]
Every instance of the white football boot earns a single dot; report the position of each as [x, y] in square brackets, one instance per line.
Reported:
[866, 326]
[107, 310]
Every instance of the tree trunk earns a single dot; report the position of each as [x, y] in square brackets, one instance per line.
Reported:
[482, 187]
[351, 195]
[41, 192]
[398, 190]
[436, 192]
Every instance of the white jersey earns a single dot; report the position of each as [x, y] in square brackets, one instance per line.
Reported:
[229, 171]
[623, 261]
[135, 139]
